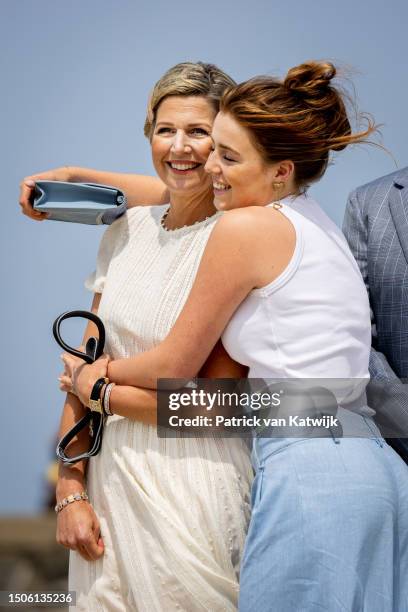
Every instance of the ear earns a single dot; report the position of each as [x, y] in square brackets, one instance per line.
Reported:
[284, 170]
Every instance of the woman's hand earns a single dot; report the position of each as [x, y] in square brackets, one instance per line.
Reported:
[27, 190]
[79, 377]
[78, 528]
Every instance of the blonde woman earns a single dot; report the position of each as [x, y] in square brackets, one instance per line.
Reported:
[172, 513]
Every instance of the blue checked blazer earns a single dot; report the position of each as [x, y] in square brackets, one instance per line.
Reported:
[376, 227]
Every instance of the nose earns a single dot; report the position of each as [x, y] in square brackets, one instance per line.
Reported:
[211, 165]
[180, 143]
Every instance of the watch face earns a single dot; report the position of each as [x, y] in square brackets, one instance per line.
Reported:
[95, 405]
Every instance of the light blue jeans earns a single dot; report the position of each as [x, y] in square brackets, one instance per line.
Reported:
[329, 527]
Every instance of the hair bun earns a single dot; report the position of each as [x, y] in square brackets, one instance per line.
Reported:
[310, 79]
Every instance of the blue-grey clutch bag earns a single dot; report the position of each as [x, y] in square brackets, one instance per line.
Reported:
[79, 202]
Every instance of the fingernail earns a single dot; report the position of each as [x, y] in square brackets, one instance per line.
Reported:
[30, 182]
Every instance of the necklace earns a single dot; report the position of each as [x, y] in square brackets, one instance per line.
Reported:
[163, 219]
[166, 229]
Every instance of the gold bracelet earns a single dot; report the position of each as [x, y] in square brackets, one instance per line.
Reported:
[70, 499]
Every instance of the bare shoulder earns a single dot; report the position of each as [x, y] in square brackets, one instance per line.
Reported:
[252, 225]
[258, 240]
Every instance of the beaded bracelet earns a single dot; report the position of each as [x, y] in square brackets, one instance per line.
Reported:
[70, 499]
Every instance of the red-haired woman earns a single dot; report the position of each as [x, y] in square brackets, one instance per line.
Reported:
[329, 527]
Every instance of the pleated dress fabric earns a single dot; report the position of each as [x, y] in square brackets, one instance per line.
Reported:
[173, 512]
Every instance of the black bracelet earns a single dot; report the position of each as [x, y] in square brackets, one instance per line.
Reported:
[95, 403]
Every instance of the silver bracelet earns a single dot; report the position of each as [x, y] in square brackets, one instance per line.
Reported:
[106, 399]
[70, 499]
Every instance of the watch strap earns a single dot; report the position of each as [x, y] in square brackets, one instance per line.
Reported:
[95, 401]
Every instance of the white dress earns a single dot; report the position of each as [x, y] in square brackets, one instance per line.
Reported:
[173, 512]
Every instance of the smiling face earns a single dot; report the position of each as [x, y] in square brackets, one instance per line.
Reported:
[181, 142]
[239, 174]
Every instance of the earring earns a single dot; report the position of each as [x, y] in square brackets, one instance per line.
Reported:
[278, 186]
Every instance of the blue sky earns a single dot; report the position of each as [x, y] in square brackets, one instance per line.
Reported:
[75, 80]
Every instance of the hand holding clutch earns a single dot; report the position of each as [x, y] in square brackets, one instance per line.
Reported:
[87, 203]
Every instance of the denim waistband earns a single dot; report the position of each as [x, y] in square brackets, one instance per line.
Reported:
[353, 425]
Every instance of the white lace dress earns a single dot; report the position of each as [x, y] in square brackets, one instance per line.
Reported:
[173, 512]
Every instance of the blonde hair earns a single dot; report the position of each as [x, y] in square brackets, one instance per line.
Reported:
[187, 79]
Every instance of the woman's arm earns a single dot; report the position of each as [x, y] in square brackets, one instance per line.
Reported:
[72, 412]
[72, 477]
[78, 527]
[247, 248]
[139, 190]
[140, 404]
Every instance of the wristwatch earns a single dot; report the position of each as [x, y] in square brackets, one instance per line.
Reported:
[95, 402]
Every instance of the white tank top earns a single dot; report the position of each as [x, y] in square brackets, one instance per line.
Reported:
[313, 321]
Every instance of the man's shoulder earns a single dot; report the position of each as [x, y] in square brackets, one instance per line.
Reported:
[371, 194]
[385, 181]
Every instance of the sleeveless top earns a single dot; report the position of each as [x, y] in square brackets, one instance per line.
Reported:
[312, 321]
